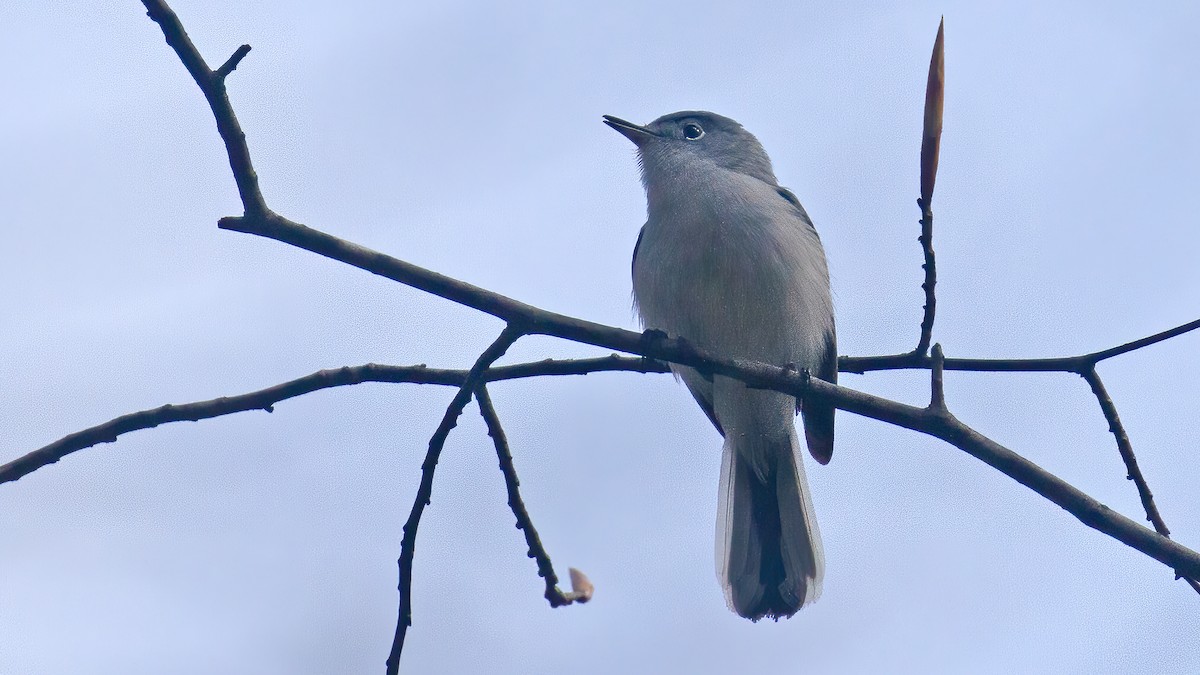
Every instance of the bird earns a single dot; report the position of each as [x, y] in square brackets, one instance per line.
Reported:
[731, 262]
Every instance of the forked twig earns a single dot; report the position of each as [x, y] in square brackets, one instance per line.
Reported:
[408, 542]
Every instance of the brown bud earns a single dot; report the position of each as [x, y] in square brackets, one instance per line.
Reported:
[931, 137]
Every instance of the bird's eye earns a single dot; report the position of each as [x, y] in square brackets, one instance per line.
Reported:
[692, 131]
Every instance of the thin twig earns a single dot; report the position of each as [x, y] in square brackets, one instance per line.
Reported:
[212, 84]
[1133, 471]
[1063, 364]
[930, 283]
[265, 399]
[554, 595]
[1097, 357]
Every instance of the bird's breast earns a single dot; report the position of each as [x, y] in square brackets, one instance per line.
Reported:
[736, 271]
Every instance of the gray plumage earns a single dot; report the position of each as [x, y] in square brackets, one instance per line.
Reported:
[730, 261]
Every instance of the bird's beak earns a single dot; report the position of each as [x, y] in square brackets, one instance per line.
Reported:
[637, 134]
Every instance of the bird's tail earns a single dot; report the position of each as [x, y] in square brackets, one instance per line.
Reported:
[769, 558]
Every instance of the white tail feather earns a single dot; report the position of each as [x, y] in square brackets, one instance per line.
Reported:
[771, 521]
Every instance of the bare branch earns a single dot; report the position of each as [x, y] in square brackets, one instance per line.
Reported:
[1125, 447]
[930, 282]
[651, 344]
[1063, 364]
[213, 86]
[510, 334]
[918, 419]
[265, 399]
[1097, 357]
[912, 360]
[554, 595]
[1089, 511]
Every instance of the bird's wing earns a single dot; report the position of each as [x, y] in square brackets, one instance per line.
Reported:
[633, 263]
[818, 416]
[700, 386]
[791, 199]
[702, 390]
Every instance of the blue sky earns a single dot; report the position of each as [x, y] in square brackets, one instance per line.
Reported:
[467, 138]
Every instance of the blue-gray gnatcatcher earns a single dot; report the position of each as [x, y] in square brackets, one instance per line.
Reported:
[730, 261]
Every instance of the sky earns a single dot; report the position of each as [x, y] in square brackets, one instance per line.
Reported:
[466, 138]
